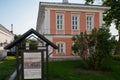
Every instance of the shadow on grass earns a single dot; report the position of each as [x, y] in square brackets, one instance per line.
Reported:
[73, 70]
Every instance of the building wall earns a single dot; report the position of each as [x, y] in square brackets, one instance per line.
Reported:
[67, 21]
[68, 29]
[68, 43]
[47, 23]
[5, 39]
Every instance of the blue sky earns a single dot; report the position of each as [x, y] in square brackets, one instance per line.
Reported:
[23, 13]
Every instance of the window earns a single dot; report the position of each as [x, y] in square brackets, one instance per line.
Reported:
[60, 21]
[61, 47]
[90, 22]
[75, 22]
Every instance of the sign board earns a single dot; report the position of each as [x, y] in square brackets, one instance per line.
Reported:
[32, 65]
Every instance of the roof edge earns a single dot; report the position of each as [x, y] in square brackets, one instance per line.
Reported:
[8, 31]
[73, 5]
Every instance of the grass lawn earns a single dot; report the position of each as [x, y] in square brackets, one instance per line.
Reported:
[7, 67]
[67, 70]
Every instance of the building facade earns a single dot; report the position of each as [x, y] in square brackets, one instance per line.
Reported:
[59, 22]
[6, 37]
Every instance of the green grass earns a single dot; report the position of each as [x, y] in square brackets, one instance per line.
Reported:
[66, 70]
[7, 67]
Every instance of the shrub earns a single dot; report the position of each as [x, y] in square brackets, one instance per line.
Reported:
[95, 47]
[116, 57]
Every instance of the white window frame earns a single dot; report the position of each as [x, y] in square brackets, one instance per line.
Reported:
[76, 26]
[89, 22]
[59, 26]
[61, 48]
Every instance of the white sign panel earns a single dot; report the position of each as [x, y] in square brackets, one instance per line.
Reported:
[32, 65]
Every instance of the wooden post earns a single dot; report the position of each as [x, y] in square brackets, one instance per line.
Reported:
[17, 62]
[42, 65]
[47, 62]
[22, 75]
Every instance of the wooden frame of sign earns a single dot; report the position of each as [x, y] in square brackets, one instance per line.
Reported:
[32, 65]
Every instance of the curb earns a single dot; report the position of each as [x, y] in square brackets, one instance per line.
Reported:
[14, 74]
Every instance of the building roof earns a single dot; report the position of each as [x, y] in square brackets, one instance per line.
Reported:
[73, 5]
[2, 28]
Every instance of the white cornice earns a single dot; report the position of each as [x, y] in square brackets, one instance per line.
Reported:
[70, 5]
[4, 30]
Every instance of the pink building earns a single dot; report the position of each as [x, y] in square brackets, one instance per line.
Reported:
[59, 22]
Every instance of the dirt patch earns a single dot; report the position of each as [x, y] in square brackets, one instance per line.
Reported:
[90, 70]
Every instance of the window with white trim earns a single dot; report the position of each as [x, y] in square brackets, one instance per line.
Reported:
[59, 21]
[61, 47]
[75, 22]
[89, 22]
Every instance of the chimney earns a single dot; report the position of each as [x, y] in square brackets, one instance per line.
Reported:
[11, 28]
[65, 1]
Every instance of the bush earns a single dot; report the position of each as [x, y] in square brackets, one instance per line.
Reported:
[95, 47]
[116, 57]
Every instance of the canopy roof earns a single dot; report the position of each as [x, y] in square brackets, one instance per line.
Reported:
[25, 35]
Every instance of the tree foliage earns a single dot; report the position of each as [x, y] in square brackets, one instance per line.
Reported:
[112, 16]
[16, 36]
[95, 47]
[32, 42]
[89, 1]
[81, 45]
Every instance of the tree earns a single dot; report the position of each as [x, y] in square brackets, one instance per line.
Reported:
[16, 36]
[32, 42]
[81, 45]
[89, 1]
[94, 48]
[112, 15]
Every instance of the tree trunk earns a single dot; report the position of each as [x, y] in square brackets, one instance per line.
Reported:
[117, 51]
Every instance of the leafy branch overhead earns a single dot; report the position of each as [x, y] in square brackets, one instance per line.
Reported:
[111, 16]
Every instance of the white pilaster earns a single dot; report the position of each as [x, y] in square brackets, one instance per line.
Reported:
[100, 19]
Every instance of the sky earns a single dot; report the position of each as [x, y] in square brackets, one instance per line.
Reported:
[23, 14]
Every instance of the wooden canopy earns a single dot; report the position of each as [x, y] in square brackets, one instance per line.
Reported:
[25, 35]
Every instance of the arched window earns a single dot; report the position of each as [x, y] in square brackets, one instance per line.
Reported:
[61, 48]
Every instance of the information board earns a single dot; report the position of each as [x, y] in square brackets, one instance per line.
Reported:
[32, 65]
